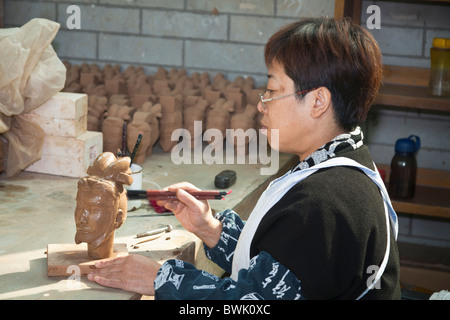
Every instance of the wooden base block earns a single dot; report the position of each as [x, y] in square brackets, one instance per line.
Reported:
[64, 105]
[68, 157]
[62, 259]
[59, 127]
[65, 114]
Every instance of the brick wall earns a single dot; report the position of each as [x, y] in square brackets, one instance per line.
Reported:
[198, 35]
[228, 36]
[407, 30]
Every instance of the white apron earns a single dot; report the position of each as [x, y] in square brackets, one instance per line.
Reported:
[277, 189]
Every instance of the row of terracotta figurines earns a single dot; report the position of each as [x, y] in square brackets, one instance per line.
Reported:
[124, 104]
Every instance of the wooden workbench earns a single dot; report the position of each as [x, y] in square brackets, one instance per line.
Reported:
[38, 209]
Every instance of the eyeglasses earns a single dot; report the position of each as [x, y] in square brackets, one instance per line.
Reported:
[263, 101]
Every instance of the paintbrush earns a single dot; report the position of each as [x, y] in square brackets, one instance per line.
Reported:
[124, 139]
[166, 195]
[136, 146]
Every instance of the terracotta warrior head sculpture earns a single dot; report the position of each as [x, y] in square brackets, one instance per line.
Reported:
[102, 203]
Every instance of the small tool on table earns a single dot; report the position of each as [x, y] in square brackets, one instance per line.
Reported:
[155, 233]
[168, 228]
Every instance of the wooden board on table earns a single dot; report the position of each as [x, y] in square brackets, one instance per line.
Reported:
[64, 259]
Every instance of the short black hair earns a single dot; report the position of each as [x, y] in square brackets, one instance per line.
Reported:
[331, 53]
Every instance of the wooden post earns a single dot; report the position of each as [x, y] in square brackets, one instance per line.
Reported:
[348, 8]
[1, 13]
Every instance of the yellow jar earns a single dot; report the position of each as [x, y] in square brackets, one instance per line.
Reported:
[439, 84]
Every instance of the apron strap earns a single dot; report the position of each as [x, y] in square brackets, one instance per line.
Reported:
[283, 184]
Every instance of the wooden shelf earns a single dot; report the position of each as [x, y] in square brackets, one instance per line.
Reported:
[411, 97]
[427, 201]
[407, 87]
[432, 196]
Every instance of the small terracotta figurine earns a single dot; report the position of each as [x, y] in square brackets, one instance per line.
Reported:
[248, 86]
[121, 111]
[72, 78]
[201, 82]
[194, 110]
[112, 129]
[171, 119]
[2, 157]
[140, 124]
[96, 109]
[139, 85]
[219, 117]
[119, 99]
[92, 88]
[155, 112]
[102, 204]
[245, 120]
[220, 83]
[161, 87]
[115, 86]
[109, 71]
[112, 126]
[238, 96]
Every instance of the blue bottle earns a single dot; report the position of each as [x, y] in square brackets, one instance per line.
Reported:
[402, 181]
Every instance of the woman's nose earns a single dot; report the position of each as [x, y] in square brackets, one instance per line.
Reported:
[260, 107]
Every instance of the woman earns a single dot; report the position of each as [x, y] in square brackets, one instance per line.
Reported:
[326, 229]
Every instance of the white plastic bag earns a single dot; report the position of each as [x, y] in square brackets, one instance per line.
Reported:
[30, 74]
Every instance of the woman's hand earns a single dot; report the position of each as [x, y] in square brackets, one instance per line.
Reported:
[135, 273]
[195, 215]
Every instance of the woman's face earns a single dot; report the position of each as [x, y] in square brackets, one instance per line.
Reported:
[289, 115]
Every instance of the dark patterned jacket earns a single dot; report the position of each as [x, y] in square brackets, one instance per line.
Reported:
[323, 240]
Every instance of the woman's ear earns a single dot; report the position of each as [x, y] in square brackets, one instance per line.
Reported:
[322, 102]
